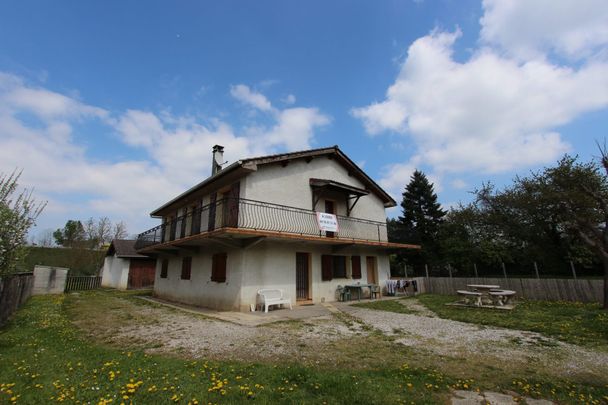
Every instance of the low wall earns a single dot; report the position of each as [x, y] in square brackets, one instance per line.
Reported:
[14, 291]
[579, 290]
[49, 280]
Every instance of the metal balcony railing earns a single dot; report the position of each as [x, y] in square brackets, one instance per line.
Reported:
[257, 215]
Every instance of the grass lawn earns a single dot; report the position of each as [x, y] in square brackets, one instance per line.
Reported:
[44, 358]
[578, 323]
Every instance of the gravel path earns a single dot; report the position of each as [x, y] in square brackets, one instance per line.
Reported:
[450, 338]
[211, 338]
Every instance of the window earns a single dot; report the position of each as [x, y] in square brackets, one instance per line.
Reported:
[333, 267]
[356, 266]
[186, 268]
[339, 267]
[164, 268]
[218, 267]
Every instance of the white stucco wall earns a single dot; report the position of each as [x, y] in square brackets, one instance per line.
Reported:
[290, 186]
[49, 280]
[200, 290]
[115, 273]
[270, 264]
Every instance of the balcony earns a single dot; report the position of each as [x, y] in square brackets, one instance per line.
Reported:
[265, 219]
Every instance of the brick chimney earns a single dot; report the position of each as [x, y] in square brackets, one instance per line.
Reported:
[218, 159]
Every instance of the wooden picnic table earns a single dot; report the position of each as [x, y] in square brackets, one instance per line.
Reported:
[359, 288]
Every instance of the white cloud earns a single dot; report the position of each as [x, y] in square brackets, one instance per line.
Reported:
[295, 128]
[289, 99]
[177, 152]
[529, 29]
[458, 184]
[249, 97]
[490, 113]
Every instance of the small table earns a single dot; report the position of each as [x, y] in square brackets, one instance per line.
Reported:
[359, 288]
[484, 289]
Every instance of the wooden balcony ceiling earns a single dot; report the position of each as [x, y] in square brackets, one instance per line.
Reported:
[244, 238]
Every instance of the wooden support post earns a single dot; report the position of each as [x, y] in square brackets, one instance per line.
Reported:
[504, 269]
[426, 270]
[536, 270]
[475, 268]
[450, 270]
[405, 269]
[573, 269]
[428, 282]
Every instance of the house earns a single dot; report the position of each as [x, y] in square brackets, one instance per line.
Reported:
[260, 223]
[124, 268]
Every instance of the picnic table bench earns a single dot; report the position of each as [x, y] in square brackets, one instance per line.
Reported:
[470, 295]
[273, 296]
[502, 297]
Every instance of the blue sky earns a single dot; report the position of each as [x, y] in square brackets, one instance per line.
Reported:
[110, 108]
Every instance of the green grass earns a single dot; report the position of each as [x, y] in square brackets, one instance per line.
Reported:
[578, 323]
[44, 358]
[388, 305]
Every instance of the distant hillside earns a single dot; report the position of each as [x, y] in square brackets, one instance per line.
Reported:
[79, 261]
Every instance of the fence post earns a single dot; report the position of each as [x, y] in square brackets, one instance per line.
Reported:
[573, 269]
[536, 270]
[405, 269]
[504, 269]
[450, 271]
[475, 269]
[428, 281]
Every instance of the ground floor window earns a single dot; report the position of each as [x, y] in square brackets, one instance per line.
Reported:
[218, 267]
[164, 268]
[356, 266]
[186, 268]
[333, 267]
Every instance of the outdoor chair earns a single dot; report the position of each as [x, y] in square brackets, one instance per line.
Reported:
[343, 294]
[375, 291]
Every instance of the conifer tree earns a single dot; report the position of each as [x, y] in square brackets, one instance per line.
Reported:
[421, 215]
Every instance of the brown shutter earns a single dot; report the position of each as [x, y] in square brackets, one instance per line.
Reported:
[164, 268]
[356, 263]
[186, 268]
[232, 206]
[326, 267]
[212, 207]
[218, 267]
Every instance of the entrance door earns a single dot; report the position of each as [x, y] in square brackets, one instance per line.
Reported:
[329, 209]
[372, 270]
[302, 277]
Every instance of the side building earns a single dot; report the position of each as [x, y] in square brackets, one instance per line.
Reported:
[124, 268]
[257, 224]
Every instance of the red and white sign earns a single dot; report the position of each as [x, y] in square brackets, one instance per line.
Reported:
[327, 222]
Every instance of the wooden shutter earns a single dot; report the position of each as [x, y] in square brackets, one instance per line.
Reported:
[356, 264]
[164, 268]
[218, 267]
[186, 268]
[212, 208]
[232, 206]
[326, 267]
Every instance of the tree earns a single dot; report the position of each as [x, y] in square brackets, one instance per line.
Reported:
[72, 234]
[17, 215]
[119, 230]
[564, 203]
[422, 215]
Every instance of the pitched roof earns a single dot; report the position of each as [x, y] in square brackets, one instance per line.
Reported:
[245, 166]
[124, 248]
